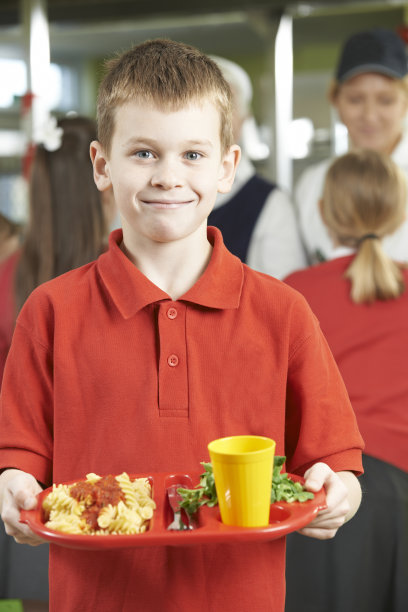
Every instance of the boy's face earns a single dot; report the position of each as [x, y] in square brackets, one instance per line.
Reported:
[165, 169]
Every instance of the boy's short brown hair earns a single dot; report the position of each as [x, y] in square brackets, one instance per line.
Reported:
[166, 74]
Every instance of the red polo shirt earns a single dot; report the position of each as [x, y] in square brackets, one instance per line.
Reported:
[106, 373]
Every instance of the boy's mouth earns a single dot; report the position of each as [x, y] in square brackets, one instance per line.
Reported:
[167, 203]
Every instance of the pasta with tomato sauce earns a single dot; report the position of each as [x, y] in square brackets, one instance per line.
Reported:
[100, 505]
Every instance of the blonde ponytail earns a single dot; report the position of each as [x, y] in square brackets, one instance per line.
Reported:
[373, 275]
[364, 199]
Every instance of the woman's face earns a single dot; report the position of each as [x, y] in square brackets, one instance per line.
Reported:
[372, 107]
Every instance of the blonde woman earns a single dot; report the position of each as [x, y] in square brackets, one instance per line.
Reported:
[361, 301]
[370, 95]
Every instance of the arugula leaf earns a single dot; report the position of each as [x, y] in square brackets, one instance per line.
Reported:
[283, 489]
[204, 494]
[208, 483]
[192, 500]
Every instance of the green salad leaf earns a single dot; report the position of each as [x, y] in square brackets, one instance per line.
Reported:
[207, 482]
[283, 489]
[204, 494]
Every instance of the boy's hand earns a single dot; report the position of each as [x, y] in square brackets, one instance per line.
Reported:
[343, 496]
[18, 490]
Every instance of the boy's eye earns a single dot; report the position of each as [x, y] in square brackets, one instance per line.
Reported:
[144, 154]
[193, 155]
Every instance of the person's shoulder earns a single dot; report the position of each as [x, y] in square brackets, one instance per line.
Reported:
[261, 279]
[280, 196]
[263, 286]
[308, 190]
[314, 172]
[315, 273]
[400, 153]
[279, 307]
[57, 302]
[65, 288]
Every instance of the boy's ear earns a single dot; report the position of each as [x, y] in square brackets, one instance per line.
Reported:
[229, 166]
[100, 166]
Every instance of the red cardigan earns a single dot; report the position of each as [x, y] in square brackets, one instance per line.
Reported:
[370, 345]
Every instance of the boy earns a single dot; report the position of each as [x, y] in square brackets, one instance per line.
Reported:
[135, 362]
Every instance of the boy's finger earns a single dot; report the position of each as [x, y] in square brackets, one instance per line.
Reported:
[23, 535]
[23, 490]
[318, 534]
[317, 476]
[20, 532]
[25, 500]
[11, 511]
[337, 505]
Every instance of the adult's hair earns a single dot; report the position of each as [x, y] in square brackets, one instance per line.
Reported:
[66, 227]
[168, 75]
[240, 83]
[364, 199]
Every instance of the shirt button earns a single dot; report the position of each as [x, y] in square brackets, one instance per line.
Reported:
[172, 360]
[172, 313]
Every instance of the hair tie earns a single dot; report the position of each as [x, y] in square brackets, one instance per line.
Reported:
[367, 237]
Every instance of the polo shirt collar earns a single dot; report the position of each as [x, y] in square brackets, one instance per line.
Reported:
[219, 286]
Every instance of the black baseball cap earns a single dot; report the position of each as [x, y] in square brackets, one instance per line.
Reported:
[379, 50]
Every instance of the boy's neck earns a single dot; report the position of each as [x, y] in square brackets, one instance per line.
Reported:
[173, 266]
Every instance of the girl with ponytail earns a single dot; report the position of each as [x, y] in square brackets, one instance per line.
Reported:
[361, 300]
[363, 202]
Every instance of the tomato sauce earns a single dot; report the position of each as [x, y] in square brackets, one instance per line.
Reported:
[98, 495]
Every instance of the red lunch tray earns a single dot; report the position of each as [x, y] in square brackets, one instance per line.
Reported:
[284, 518]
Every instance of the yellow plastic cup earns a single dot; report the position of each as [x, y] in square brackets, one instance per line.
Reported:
[242, 467]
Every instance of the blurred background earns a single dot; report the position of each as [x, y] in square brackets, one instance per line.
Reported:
[55, 49]
[52, 54]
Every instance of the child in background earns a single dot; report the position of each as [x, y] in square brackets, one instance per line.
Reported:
[137, 361]
[361, 301]
[67, 228]
[68, 219]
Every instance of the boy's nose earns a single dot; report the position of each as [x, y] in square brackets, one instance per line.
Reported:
[166, 176]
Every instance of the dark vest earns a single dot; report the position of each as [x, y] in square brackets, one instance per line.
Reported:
[237, 218]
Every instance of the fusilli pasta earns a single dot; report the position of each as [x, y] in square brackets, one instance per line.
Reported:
[100, 505]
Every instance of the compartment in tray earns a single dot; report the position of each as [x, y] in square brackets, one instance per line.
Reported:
[42, 514]
[183, 481]
[278, 514]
